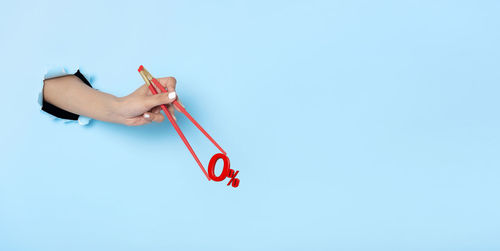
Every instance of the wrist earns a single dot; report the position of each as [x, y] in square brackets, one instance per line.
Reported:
[115, 113]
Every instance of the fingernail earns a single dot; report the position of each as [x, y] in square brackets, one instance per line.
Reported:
[147, 115]
[172, 95]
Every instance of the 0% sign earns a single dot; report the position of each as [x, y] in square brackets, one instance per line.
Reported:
[227, 172]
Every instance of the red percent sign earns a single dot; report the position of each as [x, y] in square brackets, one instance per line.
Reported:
[226, 170]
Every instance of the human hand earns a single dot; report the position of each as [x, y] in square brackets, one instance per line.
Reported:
[142, 107]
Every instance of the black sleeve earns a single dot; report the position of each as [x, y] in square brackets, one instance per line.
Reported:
[58, 112]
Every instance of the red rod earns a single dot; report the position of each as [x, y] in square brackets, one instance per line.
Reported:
[171, 119]
[183, 110]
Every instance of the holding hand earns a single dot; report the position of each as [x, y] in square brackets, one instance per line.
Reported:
[142, 107]
[139, 108]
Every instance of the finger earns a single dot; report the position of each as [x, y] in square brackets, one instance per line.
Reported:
[180, 103]
[137, 121]
[158, 99]
[172, 111]
[158, 117]
[169, 83]
[156, 109]
[153, 117]
[148, 116]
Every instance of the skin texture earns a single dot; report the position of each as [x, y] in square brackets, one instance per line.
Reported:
[138, 108]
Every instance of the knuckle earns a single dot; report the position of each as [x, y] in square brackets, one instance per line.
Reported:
[171, 80]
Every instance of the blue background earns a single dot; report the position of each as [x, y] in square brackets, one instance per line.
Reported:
[356, 125]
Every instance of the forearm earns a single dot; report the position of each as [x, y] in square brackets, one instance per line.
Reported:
[138, 108]
[71, 94]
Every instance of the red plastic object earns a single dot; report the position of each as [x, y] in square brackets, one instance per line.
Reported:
[178, 130]
[233, 180]
[225, 170]
[183, 110]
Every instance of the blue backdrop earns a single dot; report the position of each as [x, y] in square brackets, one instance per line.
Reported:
[356, 125]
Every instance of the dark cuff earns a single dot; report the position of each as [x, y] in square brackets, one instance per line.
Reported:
[58, 112]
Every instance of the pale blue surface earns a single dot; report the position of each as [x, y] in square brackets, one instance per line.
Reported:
[356, 125]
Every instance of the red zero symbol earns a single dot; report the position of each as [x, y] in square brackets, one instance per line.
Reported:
[226, 170]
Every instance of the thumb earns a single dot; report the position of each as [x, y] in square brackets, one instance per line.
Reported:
[160, 99]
